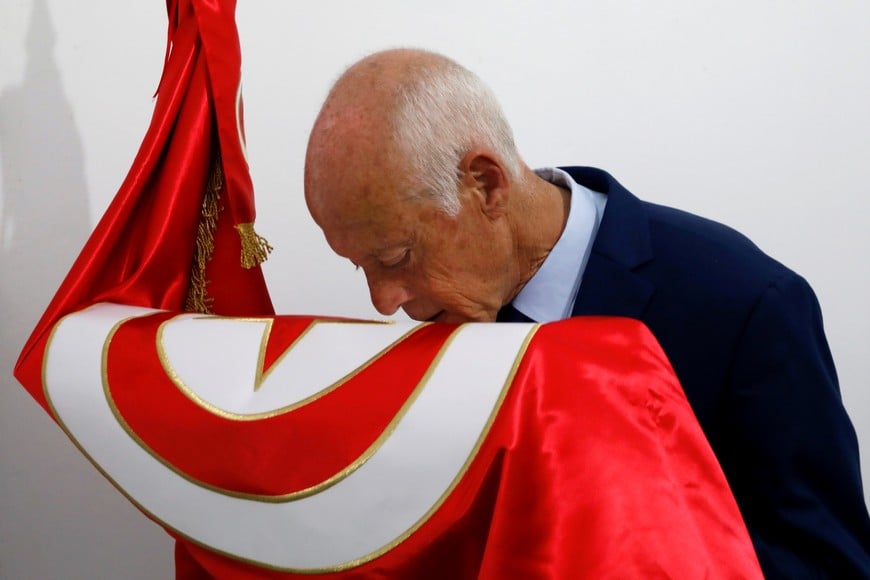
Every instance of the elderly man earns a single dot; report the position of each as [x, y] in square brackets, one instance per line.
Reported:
[413, 176]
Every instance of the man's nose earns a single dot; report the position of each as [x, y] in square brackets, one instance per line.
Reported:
[387, 295]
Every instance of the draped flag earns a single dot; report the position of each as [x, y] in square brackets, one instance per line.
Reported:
[282, 446]
[180, 230]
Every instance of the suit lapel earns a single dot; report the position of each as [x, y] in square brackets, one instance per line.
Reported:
[610, 284]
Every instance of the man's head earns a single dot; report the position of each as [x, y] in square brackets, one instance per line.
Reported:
[413, 175]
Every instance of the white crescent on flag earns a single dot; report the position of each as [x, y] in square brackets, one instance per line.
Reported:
[207, 367]
[358, 518]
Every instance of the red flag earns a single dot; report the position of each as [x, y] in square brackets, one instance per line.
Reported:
[283, 447]
[180, 229]
[418, 451]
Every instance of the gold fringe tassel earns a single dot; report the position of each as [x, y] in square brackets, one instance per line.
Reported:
[255, 248]
[197, 295]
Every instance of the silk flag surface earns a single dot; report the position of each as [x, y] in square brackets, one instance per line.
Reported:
[283, 446]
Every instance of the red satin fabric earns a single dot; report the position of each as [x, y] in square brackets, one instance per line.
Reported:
[319, 439]
[142, 250]
[594, 468]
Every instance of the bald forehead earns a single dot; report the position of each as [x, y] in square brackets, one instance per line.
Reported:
[390, 68]
[352, 149]
[352, 138]
[355, 116]
[371, 86]
[351, 160]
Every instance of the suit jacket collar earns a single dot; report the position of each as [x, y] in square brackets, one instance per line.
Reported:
[610, 283]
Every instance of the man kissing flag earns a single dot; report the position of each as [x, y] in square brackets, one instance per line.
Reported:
[278, 446]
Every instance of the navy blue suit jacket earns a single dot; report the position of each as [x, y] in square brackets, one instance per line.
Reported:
[744, 335]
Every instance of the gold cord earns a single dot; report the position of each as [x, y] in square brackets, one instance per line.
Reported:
[197, 295]
[255, 248]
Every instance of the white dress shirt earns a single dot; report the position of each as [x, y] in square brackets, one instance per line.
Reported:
[551, 292]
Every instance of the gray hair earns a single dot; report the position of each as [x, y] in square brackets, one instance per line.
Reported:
[443, 112]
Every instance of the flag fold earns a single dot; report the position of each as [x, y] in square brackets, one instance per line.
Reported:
[289, 446]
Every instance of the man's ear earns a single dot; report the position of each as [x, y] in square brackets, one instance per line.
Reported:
[484, 176]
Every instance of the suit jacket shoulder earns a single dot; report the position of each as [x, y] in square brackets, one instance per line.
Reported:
[745, 336]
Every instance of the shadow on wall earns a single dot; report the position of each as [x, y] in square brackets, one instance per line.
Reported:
[43, 222]
[58, 517]
[45, 201]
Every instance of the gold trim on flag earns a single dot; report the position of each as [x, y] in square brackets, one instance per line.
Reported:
[198, 299]
[262, 374]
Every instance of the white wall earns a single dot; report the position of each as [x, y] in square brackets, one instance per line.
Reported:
[753, 113]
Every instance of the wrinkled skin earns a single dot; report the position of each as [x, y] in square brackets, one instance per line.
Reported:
[418, 258]
[364, 196]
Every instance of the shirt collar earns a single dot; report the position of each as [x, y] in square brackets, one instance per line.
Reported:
[551, 292]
